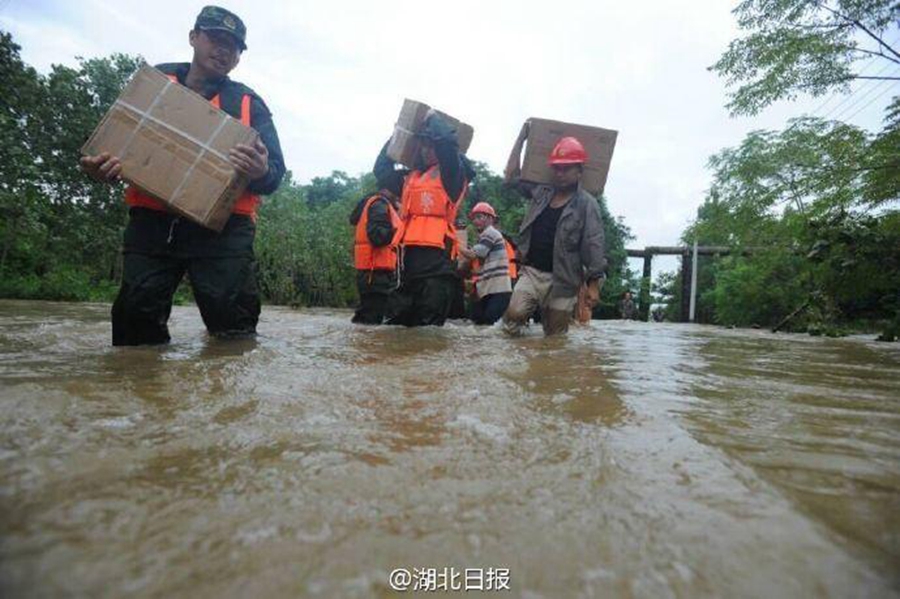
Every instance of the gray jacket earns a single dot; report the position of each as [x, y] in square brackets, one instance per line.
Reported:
[579, 251]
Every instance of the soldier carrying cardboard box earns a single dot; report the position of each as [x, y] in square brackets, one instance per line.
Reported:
[159, 246]
[430, 196]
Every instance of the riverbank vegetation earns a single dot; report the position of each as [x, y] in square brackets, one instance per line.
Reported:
[811, 210]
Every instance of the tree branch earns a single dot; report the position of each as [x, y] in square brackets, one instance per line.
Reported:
[875, 78]
[877, 167]
[820, 26]
[873, 53]
[865, 29]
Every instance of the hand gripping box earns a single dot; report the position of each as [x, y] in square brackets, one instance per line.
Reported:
[174, 145]
[543, 134]
[404, 145]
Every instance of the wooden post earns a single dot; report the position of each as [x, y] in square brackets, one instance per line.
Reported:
[685, 285]
[645, 286]
[689, 272]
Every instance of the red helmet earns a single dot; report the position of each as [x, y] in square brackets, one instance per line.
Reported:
[568, 150]
[482, 208]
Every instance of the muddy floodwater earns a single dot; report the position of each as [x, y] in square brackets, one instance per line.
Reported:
[627, 460]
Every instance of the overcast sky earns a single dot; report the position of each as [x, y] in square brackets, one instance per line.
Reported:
[335, 73]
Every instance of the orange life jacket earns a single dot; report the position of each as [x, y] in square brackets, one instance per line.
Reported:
[365, 255]
[513, 263]
[511, 257]
[246, 204]
[427, 211]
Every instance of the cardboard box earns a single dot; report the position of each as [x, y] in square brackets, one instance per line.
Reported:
[174, 145]
[543, 134]
[404, 146]
[462, 237]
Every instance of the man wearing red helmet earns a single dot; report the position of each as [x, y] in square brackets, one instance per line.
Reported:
[490, 266]
[560, 241]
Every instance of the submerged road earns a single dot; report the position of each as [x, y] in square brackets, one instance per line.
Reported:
[627, 460]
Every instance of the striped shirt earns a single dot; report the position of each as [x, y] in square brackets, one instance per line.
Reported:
[494, 274]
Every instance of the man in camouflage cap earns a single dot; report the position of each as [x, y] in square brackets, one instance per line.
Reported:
[216, 18]
[159, 246]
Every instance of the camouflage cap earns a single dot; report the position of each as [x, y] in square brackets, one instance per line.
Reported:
[219, 19]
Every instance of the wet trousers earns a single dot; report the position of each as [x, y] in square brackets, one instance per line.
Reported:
[159, 249]
[534, 290]
[421, 302]
[371, 309]
[374, 289]
[490, 308]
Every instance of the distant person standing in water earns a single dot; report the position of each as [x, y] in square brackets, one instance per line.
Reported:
[627, 310]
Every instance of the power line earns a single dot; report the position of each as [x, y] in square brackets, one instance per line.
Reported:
[868, 103]
[816, 112]
[859, 88]
[872, 89]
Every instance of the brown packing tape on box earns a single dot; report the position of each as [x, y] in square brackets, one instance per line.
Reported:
[404, 145]
[174, 145]
[543, 134]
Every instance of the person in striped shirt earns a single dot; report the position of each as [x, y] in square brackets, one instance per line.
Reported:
[490, 266]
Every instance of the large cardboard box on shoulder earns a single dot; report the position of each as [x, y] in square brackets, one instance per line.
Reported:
[543, 134]
[174, 145]
[404, 145]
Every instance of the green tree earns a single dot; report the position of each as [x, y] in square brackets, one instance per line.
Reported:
[305, 247]
[815, 47]
[882, 169]
[60, 232]
[805, 46]
[325, 190]
[20, 193]
[795, 200]
[813, 203]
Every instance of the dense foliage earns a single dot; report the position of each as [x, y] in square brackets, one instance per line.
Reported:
[811, 211]
[60, 233]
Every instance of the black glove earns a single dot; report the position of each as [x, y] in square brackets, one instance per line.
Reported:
[436, 128]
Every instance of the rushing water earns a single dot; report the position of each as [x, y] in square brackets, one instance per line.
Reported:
[626, 460]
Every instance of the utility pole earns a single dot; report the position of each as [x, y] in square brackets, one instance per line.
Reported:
[694, 284]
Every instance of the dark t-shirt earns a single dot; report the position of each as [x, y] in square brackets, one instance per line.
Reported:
[543, 232]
